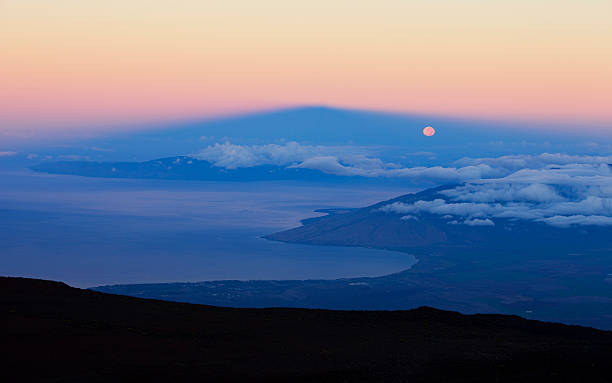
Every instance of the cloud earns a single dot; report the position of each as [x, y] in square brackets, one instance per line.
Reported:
[331, 165]
[552, 188]
[7, 154]
[560, 195]
[74, 157]
[376, 168]
[479, 222]
[337, 160]
[421, 154]
[513, 163]
[232, 156]
[517, 177]
[566, 221]
[97, 149]
[496, 192]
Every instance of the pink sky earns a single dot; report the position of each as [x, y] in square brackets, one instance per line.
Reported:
[75, 64]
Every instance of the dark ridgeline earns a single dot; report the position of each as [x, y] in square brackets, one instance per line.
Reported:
[52, 332]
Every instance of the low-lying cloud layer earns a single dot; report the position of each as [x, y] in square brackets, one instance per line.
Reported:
[558, 195]
[232, 156]
[337, 160]
[556, 189]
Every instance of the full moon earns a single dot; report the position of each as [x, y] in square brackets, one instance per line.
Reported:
[429, 131]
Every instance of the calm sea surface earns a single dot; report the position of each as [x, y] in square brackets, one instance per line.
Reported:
[92, 231]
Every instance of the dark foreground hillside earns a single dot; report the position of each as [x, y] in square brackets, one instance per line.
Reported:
[52, 332]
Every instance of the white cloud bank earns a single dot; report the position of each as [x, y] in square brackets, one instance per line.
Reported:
[556, 189]
[232, 156]
[558, 195]
[337, 160]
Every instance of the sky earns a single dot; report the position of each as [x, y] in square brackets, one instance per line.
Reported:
[89, 64]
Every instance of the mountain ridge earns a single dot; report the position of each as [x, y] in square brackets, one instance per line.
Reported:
[371, 227]
[80, 335]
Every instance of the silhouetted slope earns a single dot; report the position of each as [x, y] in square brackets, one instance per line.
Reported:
[52, 332]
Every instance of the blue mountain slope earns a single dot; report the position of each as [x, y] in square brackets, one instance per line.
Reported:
[425, 232]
